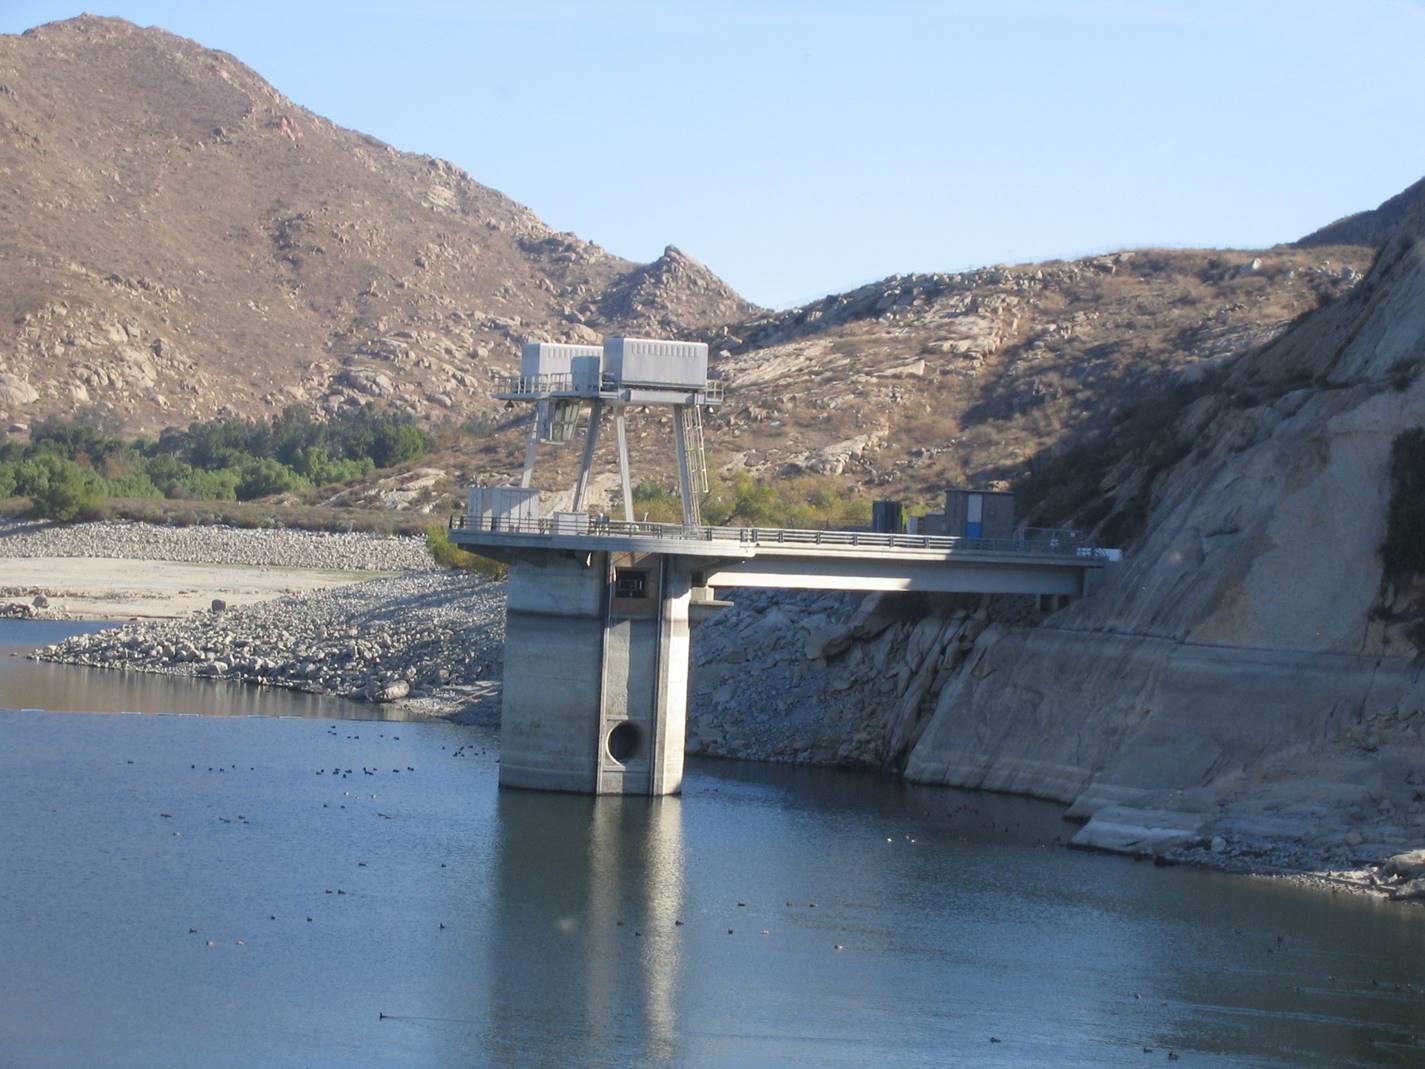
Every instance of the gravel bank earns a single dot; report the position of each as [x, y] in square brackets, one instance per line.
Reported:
[273, 547]
[435, 639]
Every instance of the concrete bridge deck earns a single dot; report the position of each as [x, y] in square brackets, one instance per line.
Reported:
[1054, 564]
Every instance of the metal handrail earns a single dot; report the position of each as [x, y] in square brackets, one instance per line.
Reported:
[537, 386]
[779, 536]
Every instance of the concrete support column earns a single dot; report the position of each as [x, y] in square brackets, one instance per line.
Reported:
[596, 673]
[531, 444]
[621, 433]
[554, 622]
[685, 477]
[591, 442]
[670, 709]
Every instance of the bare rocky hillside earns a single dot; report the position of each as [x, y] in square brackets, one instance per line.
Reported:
[907, 385]
[179, 240]
[923, 381]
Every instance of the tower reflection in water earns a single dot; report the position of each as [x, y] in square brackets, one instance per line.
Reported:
[587, 957]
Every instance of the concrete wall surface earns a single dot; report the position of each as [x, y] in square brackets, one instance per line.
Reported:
[553, 673]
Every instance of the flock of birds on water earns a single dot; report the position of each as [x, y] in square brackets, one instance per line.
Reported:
[963, 810]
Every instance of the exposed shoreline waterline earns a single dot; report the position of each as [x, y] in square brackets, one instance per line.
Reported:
[124, 570]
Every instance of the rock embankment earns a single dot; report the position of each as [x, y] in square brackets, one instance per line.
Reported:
[271, 547]
[827, 678]
[432, 635]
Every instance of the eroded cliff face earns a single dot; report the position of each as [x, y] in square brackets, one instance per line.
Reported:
[1248, 673]
[1245, 683]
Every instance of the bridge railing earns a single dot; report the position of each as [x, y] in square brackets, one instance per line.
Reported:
[1035, 542]
[535, 385]
[563, 382]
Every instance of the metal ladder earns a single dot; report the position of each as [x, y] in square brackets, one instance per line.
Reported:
[693, 443]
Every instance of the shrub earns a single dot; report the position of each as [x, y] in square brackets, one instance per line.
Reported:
[448, 555]
[131, 484]
[656, 504]
[480, 426]
[1404, 548]
[398, 442]
[807, 501]
[264, 476]
[316, 465]
[61, 490]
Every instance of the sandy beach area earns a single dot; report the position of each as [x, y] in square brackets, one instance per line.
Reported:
[113, 588]
[122, 571]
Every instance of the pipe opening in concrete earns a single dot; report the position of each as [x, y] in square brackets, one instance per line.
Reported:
[625, 742]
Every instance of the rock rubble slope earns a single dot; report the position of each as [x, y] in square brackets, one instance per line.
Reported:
[431, 635]
[275, 547]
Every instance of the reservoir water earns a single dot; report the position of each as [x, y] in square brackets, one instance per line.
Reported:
[303, 889]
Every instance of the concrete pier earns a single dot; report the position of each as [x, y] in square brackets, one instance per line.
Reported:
[596, 673]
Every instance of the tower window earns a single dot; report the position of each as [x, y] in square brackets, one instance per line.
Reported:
[630, 583]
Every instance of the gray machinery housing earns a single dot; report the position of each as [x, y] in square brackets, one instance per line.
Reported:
[563, 381]
[979, 513]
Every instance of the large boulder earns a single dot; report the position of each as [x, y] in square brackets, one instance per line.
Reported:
[387, 691]
[15, 390]
[1407, 866]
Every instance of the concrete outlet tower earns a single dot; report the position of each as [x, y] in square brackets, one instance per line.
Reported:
[597, 621]
[596, 662]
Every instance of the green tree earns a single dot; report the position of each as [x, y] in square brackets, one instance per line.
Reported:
[59, 489]
[263, 476]
[132, 484]
[397, 442]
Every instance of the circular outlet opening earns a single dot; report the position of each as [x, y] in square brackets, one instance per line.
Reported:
[625, 742]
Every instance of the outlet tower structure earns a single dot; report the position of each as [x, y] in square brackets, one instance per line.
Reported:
[597, 619]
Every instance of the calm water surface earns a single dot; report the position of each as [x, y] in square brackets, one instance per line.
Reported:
[515, 929]
[26, 684]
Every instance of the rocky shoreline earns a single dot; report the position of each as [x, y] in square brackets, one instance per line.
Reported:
[851, 681]
[433, 640]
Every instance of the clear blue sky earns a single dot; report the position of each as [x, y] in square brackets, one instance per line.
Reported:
[802, 148]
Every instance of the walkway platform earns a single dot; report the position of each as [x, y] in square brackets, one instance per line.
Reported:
[815, 560]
